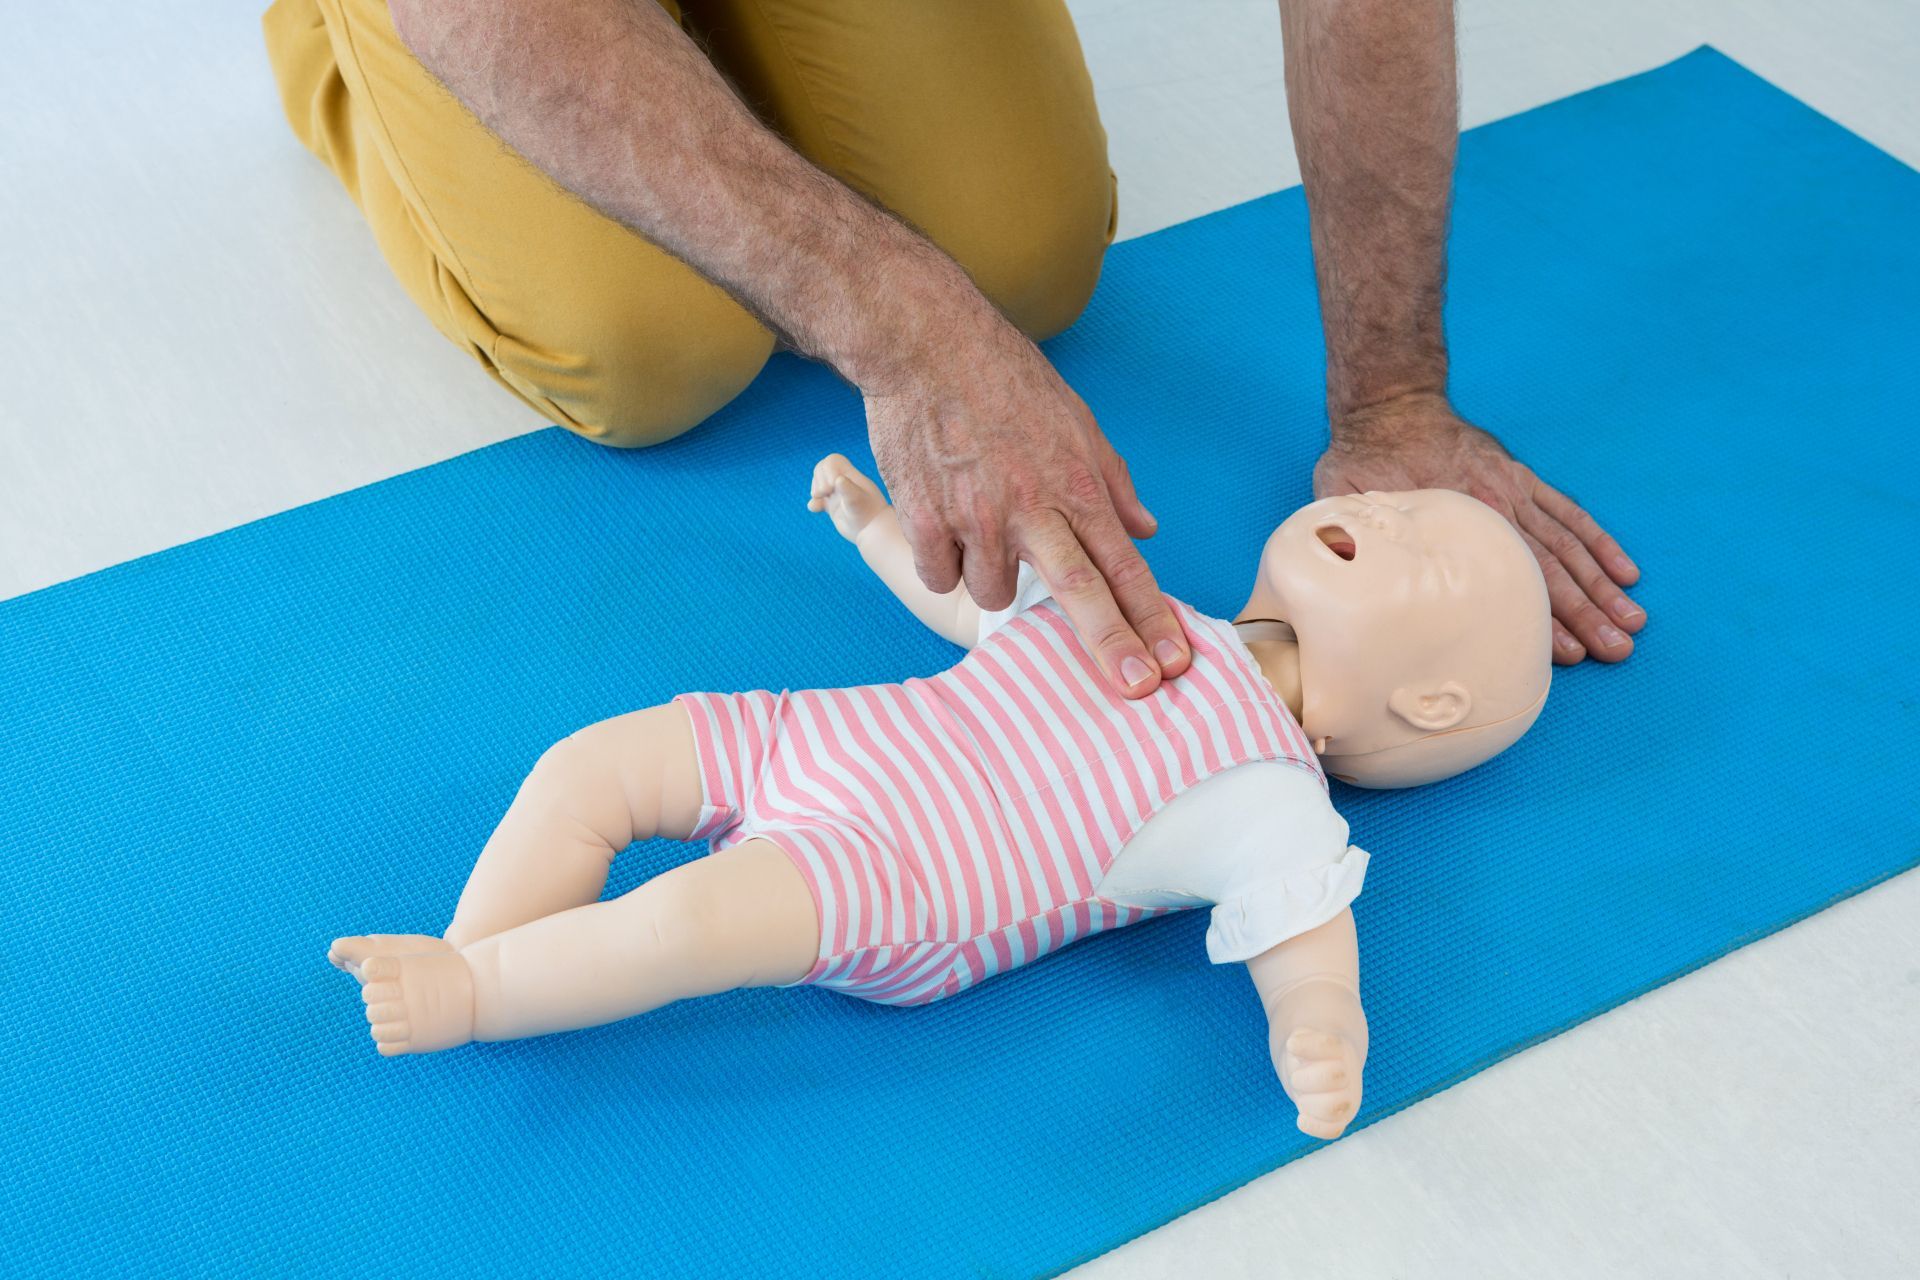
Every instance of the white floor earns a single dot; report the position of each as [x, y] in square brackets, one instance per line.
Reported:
[200, 333]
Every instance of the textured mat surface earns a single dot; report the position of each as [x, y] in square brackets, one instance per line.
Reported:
[1686, 297]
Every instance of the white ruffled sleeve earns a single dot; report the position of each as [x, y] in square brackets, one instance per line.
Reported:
[1268, 912]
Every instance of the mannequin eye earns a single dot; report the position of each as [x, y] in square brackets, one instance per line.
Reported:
[1337, 540]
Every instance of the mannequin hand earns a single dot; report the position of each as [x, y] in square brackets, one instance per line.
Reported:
[992, 459]
[1321, 1073]
[1418, 442]
[1317, 1033]
[846, 495]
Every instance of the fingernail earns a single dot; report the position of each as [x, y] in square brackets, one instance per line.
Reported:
[1623, 565]
[1611, 636]
[1135, 672]
[1168, 652]
[1626, 610]
[1567, 643]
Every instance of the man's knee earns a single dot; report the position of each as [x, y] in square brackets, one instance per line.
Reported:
[637, 376]
[1038, 258]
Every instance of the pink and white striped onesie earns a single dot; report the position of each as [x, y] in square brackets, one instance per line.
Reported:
[956, 826]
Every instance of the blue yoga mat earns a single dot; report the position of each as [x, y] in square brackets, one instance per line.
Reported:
[1685, 297]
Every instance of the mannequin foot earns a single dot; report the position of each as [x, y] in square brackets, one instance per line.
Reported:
[418, 1003]
[1320, 1070]
[351, 952]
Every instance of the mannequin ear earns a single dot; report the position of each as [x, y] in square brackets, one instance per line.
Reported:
[1444, 708]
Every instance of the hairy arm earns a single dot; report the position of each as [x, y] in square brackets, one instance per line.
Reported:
[612, 100]
[1371, 93]
[1374, 101]
[990, 456]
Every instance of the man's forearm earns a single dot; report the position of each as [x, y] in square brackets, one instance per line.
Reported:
[614, 102]
[1372, 97]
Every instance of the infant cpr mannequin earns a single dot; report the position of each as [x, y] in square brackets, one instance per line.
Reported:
[900, 843]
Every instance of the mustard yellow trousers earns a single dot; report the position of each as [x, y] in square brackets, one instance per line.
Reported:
[973, 120]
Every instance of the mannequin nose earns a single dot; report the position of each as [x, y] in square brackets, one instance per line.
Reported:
[1389, 520]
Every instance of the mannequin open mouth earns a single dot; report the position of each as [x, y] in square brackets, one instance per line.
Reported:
[1337, 540]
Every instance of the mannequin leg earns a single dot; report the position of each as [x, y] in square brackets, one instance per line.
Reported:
[590, 796]
[738, 918]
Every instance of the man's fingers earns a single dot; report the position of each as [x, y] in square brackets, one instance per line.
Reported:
[1597, 540]
[1134, 516]
[1575, 613]
[1623, 614]
[1134, 590]
[936, 556]
[1062, 563]
[991, 573]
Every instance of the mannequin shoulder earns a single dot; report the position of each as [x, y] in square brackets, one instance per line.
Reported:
[1228, 830]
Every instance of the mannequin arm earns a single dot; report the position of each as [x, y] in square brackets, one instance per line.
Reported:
[864, 518]
[884, 547]
[1309, 986]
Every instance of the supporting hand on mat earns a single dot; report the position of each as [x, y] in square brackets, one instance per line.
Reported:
[1374, 102]
[992, 459]
[1419, 442]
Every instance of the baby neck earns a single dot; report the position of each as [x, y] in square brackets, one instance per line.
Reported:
[1279, 659]
[1279, 662]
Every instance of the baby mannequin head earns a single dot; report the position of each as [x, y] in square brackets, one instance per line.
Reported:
[1424, 632]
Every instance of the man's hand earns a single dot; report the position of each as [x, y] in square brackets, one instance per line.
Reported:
[1420, 443]
[992, 459]
[1374, 103]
